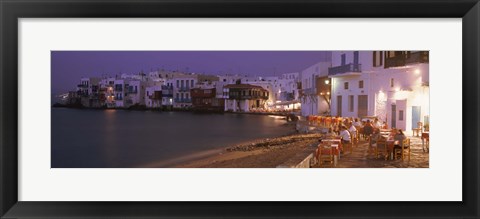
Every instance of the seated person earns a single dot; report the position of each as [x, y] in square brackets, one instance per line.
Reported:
[357, 123]
[368, 128]
[375, 136]
[345, 135]
[352, 130]
[392, 134]
[330, 133]
[399, 137]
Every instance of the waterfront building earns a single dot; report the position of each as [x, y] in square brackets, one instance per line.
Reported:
[245, 97]
[107, 92]
[205, 99]
[181, 90]
[167, 95]
[268, 86]
[88, 92]
[391, 85]
[289, 86]
[135, 93]
[153, 97]
[311, 100]
[120, 92]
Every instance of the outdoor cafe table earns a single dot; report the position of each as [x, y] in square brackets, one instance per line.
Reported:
[334, 141]
[336, 145]
[385, 131]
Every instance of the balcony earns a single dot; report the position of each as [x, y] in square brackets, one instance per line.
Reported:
[184, 89]
[351, 69]
[184, 100]
[155, 97]
[406, 59]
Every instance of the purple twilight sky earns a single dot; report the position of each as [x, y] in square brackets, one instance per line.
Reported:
[69, 66]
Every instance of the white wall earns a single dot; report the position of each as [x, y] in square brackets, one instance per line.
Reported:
[407, 89]
[365, 58]
[313, 104]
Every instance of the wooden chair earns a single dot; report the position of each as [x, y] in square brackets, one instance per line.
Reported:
[405, 146]
[417, 131]
[354, 138]
[348, 146]
[360, 132]
[381, 147]
[325, 154]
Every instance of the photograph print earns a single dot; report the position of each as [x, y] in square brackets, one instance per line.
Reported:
[240, 109]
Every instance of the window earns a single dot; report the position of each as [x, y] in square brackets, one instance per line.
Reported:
[392, 82]
[355, 57]
[178, 83]
[381, 58]
[400, 115]
[343, 59]
[377, 58]
[345, 85]
[191, 83]
[360, 84]
[350, 103]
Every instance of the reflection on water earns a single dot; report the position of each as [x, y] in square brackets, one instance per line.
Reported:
[118, 138]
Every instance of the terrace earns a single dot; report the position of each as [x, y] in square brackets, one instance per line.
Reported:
[406, 59]
[348, 69]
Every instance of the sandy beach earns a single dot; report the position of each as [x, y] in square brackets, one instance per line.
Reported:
[261, 153]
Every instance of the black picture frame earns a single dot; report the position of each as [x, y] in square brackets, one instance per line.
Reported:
[11, 11]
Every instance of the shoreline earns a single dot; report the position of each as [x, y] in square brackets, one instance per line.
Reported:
[176, 110]
[258, 153]
[225, 151]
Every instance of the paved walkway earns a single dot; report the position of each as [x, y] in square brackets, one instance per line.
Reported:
[360, 158]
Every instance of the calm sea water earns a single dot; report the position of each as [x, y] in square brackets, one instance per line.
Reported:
[126, 139]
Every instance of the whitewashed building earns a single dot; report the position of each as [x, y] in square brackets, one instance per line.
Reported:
[120, 92]
[135, 93]
[312, 102]
[244, 97]
[89, 91]
[392, 85]
[153, 97]
[181, 90]
[107, 88]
